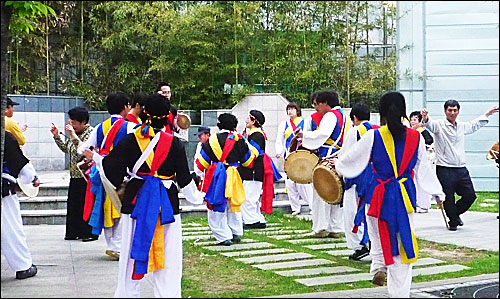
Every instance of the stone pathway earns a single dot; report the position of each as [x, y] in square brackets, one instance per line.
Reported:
[308, 269]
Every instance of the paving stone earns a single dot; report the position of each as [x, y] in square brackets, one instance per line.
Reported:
[197, 237]
[493, 200]
[340, 252]
[284, 237]
[327, 246]
[205, 243]
[275, 258]
[191, 224]
[316, 240]
[316, 271]
[273, 224]
[277, 232]
[203, 232]
[294, 264]
[239, 246]
[256, 252]
[366, 276]
[195, 228]
[486, 205]
[427, 261]
[273, 228]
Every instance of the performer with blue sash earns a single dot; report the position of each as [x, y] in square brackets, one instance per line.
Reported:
[398, 156]
[260, 177]
[218, 164]
[324, 132]
[98, 209]
[286, 132]
[151, 223]
[354, 198]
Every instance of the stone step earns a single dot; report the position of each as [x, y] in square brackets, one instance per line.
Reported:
[275, 258]
[293, 264]
[323, 280]
[316, 271]
[316, 240]
[35, 217]
[239, 246]
[256, 252]
[43, 203]
[327, 246]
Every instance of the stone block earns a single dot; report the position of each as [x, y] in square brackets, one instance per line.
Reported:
[214, 243]
[194, 228]
[277, 232]
[58, 105]
[256, 252]
[191, 233]
[340, 252]
[239, 246]
[44, 105]
[31, 104]
[293, 264]
[315, 240]
[316, 271]
[197, 237]
[427, 261]
[315, 281]
[327, 246]
[275, 258]
[438, 269]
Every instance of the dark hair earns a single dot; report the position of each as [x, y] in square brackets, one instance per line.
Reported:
[417, 114]
[227, 121]
[258, 118]
[326, 96]
[452, 103]
[392, 108]
[80, 114]
[361, 111]
[155, 105]
[158, 87]
[139, 98]
[116, 102]
[294, 106]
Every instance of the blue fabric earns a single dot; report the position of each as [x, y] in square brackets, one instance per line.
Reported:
[152, 199]
[216, 193]
[97, 216]
[276, 173]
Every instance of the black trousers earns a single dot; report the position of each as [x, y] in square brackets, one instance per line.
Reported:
[75, 226]
[456, 180]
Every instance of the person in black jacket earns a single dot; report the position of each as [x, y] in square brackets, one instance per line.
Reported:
[150, 205]
[16, 168]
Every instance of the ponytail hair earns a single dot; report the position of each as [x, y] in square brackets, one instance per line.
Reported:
[392, 109]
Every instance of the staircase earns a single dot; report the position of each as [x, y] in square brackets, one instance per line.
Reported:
[49, 207]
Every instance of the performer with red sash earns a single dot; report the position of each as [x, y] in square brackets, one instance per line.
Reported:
[324, 132]
[219, 159]
[286, 132]
[98, 209]
[260, 177]
[354, 205]
[399, 157]
[152, 230]
[136, 109]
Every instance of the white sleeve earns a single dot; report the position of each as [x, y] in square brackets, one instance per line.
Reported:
[192, 194]
[91, 141]
[476, 124]
[195, 168]
[353, 161]
[27, 174]
[432, 126]
[315, 139]
[425, 176]
[280, 145]
[350, 140]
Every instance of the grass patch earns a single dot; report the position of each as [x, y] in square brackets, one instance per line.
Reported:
[483, 202]
[209, 274]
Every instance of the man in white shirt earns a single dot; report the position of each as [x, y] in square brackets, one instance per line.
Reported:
[286, 132]
[449, 135]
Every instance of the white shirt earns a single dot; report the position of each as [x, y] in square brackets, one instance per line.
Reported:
[351, 163]
[280, 145]
[198, 150]
[449, 139]
[314, 139]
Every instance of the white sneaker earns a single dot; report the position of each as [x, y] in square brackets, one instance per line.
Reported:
[295, 213]
[422, 210]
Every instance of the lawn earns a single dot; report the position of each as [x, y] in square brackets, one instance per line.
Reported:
[485, 202]
[209, 274]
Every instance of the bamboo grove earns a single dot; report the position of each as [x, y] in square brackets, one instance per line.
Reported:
[212, 52]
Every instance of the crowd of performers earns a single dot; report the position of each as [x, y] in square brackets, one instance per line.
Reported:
[139, 168]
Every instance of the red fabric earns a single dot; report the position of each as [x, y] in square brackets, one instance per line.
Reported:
[316, 117]
[136, 276]
[162, 149]
[411, 145]
[208, 177]
[89, 201]
[132, 118]
[340, 120]
[267, 186]
[385, 241]
[111, 136]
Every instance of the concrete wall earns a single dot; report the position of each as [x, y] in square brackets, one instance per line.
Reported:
[449, 50]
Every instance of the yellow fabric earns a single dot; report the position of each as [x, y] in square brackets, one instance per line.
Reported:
[110, 212]
[289, 129]
[420, 129]
[214, 144]
[234, 189]
[362, 129]
[12, 127]
[157, 251]
[404, 257]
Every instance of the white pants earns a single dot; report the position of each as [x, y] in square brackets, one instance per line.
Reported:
[14, 245]
[225, 224]
[250, 209]
[166, 282]
[350, 208]
[326, 216]
[423, 198]
[398, 274]
[297, 192]
[113, 236]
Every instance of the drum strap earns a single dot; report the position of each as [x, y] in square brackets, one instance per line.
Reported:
[335, 146]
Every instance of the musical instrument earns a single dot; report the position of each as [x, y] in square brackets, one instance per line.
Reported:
[327, 182]
[183, 121]
[299, 166]
[493, 153]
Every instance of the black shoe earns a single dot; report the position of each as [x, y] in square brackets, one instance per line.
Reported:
[90, 239]
[254, 225]
[70, 238]
[225, 243]
[452, 227]
[359, 254]
[236, 239]
[27, 273]
[460, 222]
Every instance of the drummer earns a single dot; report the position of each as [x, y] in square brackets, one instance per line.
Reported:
[324, 131]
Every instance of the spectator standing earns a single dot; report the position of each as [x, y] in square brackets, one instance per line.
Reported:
[11, 125]
[449, 143]
[78, 129]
